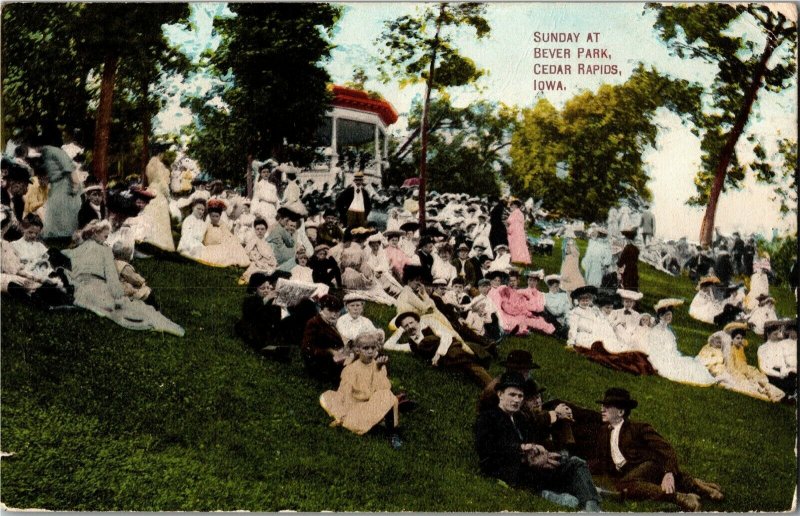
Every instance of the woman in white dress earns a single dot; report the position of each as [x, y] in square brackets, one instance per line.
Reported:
[662, 350]
[265, 197]
[763, 313]
[704, 306]
[193, 230]
[155, 218]
[442, 268]
[759, 282]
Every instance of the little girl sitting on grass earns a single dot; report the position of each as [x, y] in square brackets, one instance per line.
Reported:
[364, 397]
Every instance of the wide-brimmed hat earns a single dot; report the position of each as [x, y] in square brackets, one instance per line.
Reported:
[359, 174]
[618, 397]
[536, 274]
[377, 237]
[16, 172]
[771, 326]
[764, 298]
[510, 379]
[439, 282]
[392, 234]
[411, 272]
[410, 226]
[532, 388]
[461, 246]
[629, 294]
[321, 247]
[629, 233]
[500, 246]
[708, 280]
[495, 275]
[668, 303]
[406, 315]
[550, 278]
[352, 296]
[519, 359]
[582, 291]
[734, 328]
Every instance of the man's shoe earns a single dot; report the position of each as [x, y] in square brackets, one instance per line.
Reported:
[688, 502]
[395, 441]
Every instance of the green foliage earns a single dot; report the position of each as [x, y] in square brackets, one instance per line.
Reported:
[273, 84]
[466, 147]
[52, 63]
[707, 32]
[102, 418]
[782, 254]
[409, 43]
[583, 160]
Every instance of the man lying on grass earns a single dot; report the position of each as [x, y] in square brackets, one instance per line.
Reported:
[641, 464]
[507, 450]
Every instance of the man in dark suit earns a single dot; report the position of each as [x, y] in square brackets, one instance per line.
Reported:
[629, 261]
[465, 267]
[507, 451]
[640, 462]
[93, 207]
[425, 254]
[329, 233]
[323, 349]
[354, 203]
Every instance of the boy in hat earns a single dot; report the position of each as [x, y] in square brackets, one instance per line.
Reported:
[639, 461]
[329, 233]
[353, 323]
[324, 268]
[323, 349]
[506, 448]
[93, 206]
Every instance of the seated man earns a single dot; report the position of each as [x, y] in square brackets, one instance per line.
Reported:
[504, 441]
[433, 341]
[777, 358]
[642, 464]
[323, 350]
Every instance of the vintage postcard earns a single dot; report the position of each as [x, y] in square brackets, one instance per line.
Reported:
[379, 257]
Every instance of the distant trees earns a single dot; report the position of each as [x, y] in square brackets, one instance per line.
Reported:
[745, 68]
[582, 160]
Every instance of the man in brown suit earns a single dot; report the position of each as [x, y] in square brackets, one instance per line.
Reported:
[642, 464]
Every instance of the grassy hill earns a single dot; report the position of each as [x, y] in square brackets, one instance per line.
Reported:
[103, 418]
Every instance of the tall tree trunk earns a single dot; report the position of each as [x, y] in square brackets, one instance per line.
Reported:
[145, 131]
[423, 160]
[707, 227]
[103, 121]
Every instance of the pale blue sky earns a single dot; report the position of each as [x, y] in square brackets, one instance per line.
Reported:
[507, 54]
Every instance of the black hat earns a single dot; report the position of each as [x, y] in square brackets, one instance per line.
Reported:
[532, 388]
[410, 226]
[510, 379]
[331, 213]
[411, 272]
[629, 233]
[406, 315]
[581, 291]
[606, 299]
[496, 274]
[256, 280]
[771, 326]
[17, 173]
[331, 302]
[519, 359]
[620, 398]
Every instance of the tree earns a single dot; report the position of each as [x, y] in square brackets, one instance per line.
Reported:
[744, 68]
[44, 72]
[466, 146]
[50, 61]
[419, 48]
[583, 160]
[273, 86]
[124, 35]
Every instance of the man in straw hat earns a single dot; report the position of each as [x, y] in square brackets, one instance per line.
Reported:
[506, 448]
[641, 464]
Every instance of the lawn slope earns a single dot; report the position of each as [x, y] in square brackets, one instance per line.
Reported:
[103, 418]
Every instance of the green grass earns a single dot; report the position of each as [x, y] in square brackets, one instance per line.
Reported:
[103, 418]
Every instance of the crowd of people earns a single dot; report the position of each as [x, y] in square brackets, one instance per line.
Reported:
[459, 286]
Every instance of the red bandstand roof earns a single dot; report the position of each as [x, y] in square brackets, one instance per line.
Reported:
[356, 99]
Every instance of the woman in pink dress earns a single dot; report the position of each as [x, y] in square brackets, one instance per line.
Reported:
[397, 258]
[517, 240]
